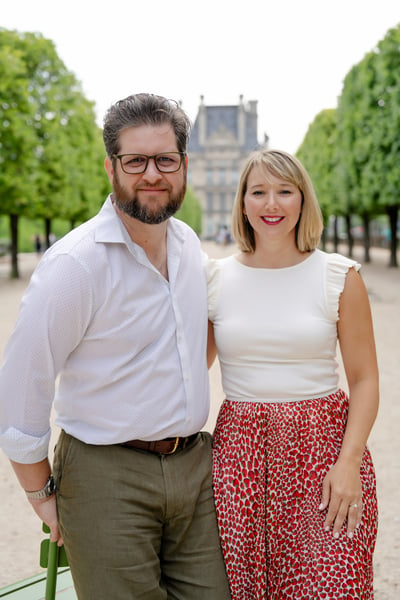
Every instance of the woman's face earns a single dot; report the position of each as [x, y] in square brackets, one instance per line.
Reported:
[272, 205]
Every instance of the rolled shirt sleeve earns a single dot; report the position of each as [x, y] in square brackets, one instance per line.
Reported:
[54, 312]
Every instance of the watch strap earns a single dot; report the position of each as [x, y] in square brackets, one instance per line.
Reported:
[47, 491]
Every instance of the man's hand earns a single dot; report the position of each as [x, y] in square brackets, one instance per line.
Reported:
[46, 510]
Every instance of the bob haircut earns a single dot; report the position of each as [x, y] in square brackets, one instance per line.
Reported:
[285, 166]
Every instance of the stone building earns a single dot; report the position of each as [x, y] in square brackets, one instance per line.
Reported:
[221, 139]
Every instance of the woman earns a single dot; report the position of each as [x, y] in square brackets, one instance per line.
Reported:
[294, 482]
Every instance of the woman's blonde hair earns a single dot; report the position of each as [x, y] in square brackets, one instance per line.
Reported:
[285, 166]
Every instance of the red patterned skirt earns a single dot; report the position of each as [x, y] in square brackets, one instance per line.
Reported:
[269, 463]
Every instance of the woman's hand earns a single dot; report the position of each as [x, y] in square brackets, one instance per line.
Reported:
[342, 497]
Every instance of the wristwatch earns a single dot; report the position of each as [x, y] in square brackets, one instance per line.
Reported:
[47, 491]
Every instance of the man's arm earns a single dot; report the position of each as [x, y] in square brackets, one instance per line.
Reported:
[32, 478]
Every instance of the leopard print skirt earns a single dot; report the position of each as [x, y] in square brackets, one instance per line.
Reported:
[269, 460]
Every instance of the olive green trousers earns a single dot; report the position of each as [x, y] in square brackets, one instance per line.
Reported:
[137, 525]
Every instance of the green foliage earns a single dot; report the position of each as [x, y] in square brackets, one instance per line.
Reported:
[51, 152]
[356, 143]
[17, 135]
[353, 153]
[383, 164]
[368, 129]
[190, 211]
[317, 153]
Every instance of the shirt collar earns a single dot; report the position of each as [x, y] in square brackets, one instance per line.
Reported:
[109, 227]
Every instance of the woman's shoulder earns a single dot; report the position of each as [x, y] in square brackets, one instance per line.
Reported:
[214, 266]
[337, 267]
[336, 262]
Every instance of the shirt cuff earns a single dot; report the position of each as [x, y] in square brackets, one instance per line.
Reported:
[24, 448]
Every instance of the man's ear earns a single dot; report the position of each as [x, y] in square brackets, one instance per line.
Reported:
[109, 168]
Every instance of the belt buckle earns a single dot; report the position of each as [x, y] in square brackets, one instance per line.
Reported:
[176, 444]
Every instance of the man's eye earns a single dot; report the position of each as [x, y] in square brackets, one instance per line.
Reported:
[135, 160]
[166, 160]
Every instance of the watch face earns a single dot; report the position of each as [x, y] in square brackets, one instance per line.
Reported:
[51, 486]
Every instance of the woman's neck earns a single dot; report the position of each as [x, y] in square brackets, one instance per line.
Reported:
[273, 256]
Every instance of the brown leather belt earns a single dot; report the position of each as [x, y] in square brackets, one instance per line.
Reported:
[167, 446]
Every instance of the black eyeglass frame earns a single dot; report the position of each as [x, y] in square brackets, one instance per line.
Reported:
[147, 157]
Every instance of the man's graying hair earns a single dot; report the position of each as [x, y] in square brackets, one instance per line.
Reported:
[144, 109]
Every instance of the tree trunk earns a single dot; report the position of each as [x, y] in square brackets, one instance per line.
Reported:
[393, 212]
[367, 239]
[323, 239]
[335, 234]
[14, 273]
[47, 231]
[350, 239]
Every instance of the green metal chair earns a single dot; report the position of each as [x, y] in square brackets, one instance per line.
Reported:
[45, 585]
[52, 557]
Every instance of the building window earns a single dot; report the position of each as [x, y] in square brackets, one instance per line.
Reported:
[235, 176]
[210, 229]
[210, 204]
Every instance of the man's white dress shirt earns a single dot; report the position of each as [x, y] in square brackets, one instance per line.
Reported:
[127, 347]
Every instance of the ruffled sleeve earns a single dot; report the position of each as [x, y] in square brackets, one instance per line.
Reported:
[337, 269]
[213, 268]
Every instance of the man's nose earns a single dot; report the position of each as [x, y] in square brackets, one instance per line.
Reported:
[151, 172]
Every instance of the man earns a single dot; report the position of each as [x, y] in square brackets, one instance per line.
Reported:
[117, 310]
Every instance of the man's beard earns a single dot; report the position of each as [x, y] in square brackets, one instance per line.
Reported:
[129, 203]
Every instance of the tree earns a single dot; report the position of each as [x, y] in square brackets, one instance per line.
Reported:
[368, 137]
[317, 153]
[50, 146]
[17, 138]
[72, 177]
[382, 173]
[354, 144]
[190, 211]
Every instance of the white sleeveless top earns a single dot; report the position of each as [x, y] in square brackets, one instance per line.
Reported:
[276, 328]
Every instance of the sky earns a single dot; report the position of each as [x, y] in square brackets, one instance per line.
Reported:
[290, 55]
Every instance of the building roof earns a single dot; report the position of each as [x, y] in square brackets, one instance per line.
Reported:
[225, 120]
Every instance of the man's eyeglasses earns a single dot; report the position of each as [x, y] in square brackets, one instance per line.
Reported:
[166, 162]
